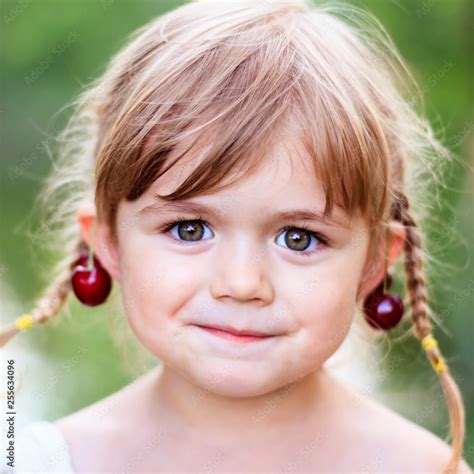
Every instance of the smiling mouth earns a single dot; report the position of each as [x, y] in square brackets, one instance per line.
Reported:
[228, 335]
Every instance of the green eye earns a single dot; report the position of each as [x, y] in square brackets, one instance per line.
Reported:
[188, 230]
[300, 240]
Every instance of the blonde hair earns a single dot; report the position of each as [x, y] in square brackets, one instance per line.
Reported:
[236, 71]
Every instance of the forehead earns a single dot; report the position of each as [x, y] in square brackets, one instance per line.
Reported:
[284, 178]
[284, 153]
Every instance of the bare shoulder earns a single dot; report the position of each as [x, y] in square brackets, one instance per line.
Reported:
[111, 409]
[404, 445]
[96, 431]
[101, 413]
[92, 428]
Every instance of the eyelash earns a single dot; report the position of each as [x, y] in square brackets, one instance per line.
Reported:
[321, 238]
[167, 226]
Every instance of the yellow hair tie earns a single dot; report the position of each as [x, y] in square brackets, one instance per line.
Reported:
[440, 366]
[429, 342]
[24, 322]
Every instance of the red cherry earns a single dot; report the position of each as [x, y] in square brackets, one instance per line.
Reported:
[383, 310]
[91, 285]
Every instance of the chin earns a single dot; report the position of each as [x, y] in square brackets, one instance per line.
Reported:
[235, 378]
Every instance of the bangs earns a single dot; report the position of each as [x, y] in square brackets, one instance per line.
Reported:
[234, 96]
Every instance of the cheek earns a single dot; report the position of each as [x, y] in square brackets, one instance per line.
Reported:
[155, 284]
[325, 307]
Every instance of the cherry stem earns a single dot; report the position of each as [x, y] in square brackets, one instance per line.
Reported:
[387, 255]
[90, 259]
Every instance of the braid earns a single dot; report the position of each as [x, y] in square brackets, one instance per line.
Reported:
[416, 281]
[420, 314]
[48, 305]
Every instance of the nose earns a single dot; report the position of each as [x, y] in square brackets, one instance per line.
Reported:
[240, 274]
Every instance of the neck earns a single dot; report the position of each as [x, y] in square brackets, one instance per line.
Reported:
[188, 405]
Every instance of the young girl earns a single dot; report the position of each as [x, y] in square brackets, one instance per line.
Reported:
[278, 134]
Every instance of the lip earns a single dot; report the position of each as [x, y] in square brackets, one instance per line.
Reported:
[232, 334]
[236, 332]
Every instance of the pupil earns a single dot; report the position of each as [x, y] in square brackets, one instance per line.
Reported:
[190, 231]
[297, 240]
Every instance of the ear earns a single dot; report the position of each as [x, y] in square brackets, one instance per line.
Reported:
[374, 269]
[104, 247]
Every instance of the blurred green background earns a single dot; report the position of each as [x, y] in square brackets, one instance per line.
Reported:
[51, 48]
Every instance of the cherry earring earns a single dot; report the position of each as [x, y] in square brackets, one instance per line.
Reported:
[91, 282]
[383, 310]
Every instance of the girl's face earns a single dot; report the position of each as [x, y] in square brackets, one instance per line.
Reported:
[231, 263]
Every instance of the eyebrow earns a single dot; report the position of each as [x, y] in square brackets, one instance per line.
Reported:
[194, 207]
